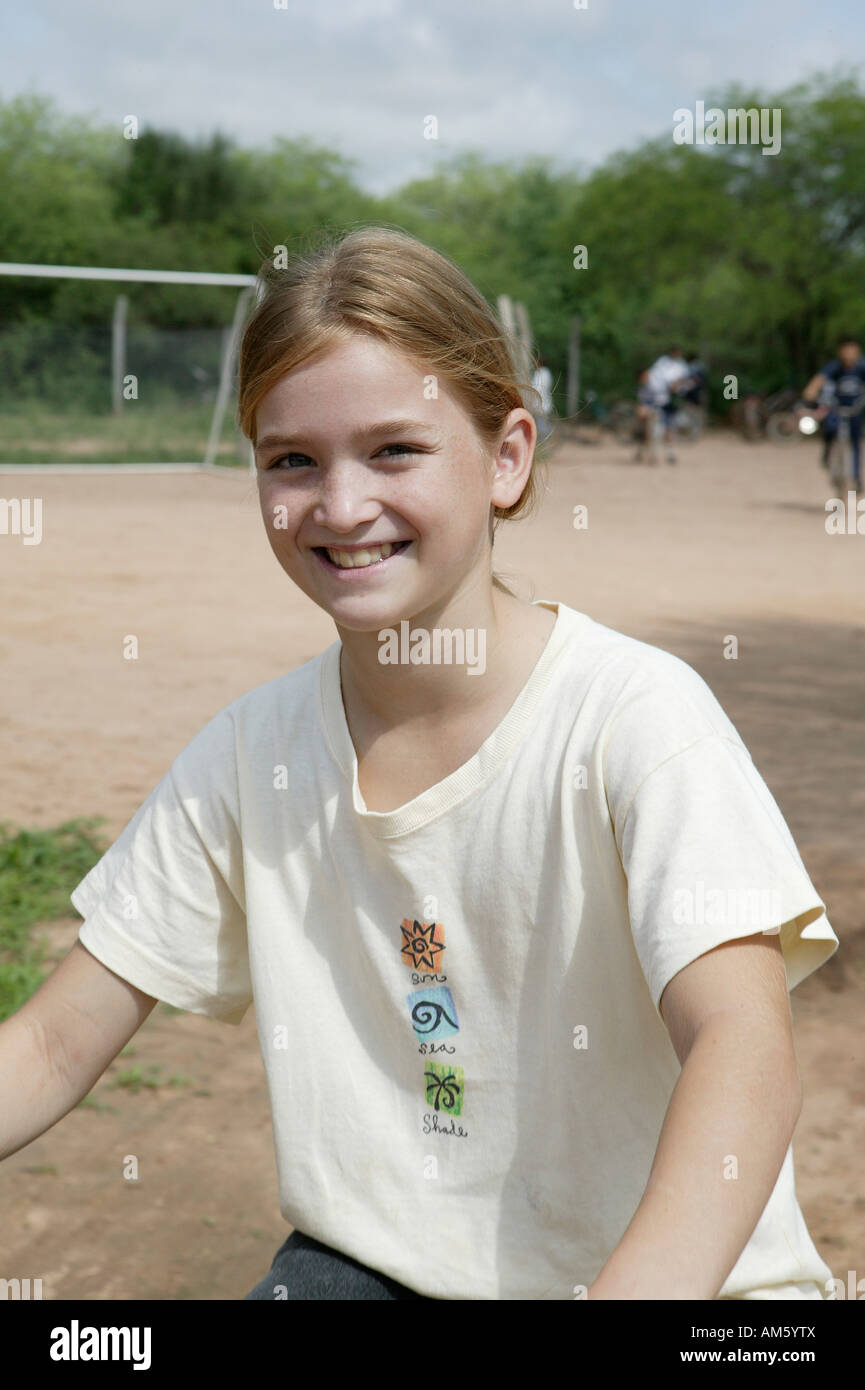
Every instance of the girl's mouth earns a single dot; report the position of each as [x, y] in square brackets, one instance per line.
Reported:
[365, 560]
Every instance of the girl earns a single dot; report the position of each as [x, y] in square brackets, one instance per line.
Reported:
[518, 915]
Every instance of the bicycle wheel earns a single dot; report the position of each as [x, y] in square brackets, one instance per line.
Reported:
[783, 427]
[689, 421]
[655, 431]
[838, 461]
[752, 418]
[623, 421]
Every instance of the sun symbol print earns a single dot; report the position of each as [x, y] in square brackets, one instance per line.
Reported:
[423, 943]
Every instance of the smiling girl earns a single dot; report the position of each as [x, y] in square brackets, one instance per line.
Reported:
[519, 946]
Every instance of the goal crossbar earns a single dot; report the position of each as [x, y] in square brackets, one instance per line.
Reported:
[98, 272]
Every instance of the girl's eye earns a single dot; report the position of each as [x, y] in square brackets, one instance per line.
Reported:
[286, 458]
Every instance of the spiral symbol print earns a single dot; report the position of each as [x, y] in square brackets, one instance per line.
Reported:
[433, 1013]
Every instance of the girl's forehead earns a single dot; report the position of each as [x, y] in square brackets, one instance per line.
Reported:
[366, 362]
[359, 382]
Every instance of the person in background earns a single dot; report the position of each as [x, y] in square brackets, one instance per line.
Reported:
[698, 381]
[667, 374]
[646, 414]
[840, 383]
[542, 382]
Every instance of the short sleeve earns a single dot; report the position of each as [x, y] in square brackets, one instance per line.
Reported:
[164, 907]
[707, 855]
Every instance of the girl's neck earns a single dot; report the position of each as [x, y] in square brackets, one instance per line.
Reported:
[490, 661]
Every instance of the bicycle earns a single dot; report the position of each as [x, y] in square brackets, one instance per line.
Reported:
[689, 420]
[840, 452]
[632, 423]
[771, 417]
[649, 433]
[622, 419]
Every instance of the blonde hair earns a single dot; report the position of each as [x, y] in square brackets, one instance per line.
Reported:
[386, 283]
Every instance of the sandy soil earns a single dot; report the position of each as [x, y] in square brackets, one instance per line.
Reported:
[731, 542]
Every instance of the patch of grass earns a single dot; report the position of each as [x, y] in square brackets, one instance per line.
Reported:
[136, 1079]
[38, 870]
[170, 1009]
[91, 1103]
[149, 1078]
[48, 1169]
[163, 431]
[18, 980]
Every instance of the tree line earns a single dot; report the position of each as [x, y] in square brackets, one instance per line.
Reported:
[754, 261]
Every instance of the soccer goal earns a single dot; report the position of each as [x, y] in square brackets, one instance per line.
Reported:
[514, 318]
[107, 366]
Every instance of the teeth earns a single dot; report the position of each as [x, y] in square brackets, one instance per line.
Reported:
[358, 559]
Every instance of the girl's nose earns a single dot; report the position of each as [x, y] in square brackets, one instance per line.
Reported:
[344, 500]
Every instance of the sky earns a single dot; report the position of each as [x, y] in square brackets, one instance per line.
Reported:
[505, 78]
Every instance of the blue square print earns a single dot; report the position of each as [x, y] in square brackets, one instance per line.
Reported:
[433, 1013]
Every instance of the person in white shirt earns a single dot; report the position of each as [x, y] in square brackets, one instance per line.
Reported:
[519, 932]
[542, 383]
[667, 375]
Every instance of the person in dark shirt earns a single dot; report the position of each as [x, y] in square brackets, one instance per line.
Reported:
[698, 380]
[841, 383]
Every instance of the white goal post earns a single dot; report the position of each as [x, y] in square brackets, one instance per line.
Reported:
[249, 285]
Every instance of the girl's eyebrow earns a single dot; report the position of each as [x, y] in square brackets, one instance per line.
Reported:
[404, 426]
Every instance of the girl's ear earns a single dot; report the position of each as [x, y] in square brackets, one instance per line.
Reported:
[513, 459]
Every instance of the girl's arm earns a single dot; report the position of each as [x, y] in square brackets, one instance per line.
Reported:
[727, 1128]
[58, 1044]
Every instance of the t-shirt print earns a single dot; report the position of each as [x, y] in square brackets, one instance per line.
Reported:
[433, 1015]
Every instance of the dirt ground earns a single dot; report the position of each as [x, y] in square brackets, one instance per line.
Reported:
[730, 542]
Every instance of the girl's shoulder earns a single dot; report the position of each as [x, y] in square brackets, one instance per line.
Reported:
[628, 664]
[288, 693]
[640, 694]
[281, 711]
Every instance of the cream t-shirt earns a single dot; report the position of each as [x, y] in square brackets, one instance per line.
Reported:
[457, 1000]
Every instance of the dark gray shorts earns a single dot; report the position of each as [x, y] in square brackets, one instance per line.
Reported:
[303, 1268]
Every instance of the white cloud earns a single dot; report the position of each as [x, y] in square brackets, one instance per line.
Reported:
[507, 77]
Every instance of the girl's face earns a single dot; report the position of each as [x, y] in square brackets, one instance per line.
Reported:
[375, 488]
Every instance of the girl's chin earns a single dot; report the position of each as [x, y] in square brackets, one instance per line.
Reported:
[368, 616]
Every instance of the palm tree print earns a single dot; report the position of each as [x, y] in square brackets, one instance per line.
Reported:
[444, 1088]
